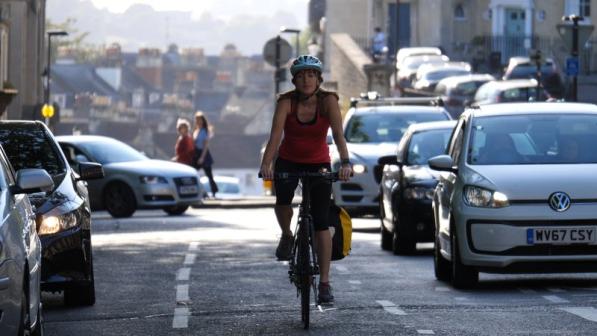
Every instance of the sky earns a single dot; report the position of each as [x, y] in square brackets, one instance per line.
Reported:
[207, 24]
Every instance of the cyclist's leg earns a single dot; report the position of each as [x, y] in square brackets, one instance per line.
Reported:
[284, 193]
[321, 191]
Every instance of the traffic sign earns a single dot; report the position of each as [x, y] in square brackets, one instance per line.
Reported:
[572, 66]
[269, 51]
[47, 111]
[584, 32]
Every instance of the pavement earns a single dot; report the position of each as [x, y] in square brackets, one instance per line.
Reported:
[246, 202]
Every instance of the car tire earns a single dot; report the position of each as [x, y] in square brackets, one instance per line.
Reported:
[24, 319]
[386, 238]
[119, 200]
[442, 266]
[403, 242]
[82, 294]
[463, 276]
[176, 210]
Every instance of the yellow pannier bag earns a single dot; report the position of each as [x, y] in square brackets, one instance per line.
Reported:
[341, 229]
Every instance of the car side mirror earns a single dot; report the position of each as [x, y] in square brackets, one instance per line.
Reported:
[32, 180]
[90, 171]
[388, 160]
[442, 163]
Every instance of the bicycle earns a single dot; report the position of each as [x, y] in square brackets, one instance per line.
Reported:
[303, 265]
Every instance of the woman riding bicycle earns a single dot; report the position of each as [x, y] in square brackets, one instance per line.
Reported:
[304, 116]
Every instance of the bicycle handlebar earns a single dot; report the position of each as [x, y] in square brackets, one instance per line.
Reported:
[332, 176]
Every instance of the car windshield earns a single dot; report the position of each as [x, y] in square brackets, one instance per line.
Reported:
[27, 146]
[528, 70]
[467, 88]
[533, 139]
[438, 75]
[112, 151]
[427, 144]
[384, 127]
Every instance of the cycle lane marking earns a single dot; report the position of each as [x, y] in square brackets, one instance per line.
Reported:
[189, 259]
[181, 318]
[182, 294]
[588, 313]
[183, 275]
[555, 299]
[391, 307]
[425, 332]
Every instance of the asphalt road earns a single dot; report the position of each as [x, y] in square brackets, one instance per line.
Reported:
[212, 272]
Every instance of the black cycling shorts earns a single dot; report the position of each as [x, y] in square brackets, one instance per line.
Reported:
[321, 189]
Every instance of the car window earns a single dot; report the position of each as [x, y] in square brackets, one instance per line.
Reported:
[518, 94]
[111, 151]
[6, 174]
[533, 139]
[73, 154]
[28, 146]
[456, 141]
[384, 127]
[427, 144]
[467, 88]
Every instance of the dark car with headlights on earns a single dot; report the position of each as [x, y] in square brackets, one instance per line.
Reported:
[63, 214]
[407, 185]
[133, 181]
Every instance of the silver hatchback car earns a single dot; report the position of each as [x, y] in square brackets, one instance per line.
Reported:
[20, 250]
[517, 192]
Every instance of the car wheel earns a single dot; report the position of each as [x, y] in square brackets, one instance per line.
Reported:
[119, 200]
[82, 294]
[176, 210]
[386, 238]
[24, 320]
[462, 276]
[403, 239]
[39, 328]
[441, 265]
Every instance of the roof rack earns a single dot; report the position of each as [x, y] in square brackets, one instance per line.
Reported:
[374, 98]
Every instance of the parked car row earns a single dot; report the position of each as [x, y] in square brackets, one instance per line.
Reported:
[507, 188]
[48, 186]
[425, 71]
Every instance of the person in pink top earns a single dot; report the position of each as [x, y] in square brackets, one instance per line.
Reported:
[299, 129]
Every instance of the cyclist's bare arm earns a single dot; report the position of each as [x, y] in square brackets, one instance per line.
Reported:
[336, 124]
[275, 137]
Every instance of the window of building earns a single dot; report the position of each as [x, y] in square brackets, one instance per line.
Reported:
[578, 7]
[459, 12]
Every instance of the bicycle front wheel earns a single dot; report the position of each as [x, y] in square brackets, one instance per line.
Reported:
[304, 273]
[305, 299]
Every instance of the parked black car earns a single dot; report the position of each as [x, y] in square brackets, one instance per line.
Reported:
[407, 185]
[63, 214]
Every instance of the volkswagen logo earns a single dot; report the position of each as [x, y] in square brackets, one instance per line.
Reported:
[559, 201]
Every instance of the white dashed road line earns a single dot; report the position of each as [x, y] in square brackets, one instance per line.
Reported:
[354, 282]
[555, 299]
[189, 259]
[181, 318]
[342, 269]
[183, 274]
[425, 332]
[390, 307]
[442, 289]
[182, 293]
[194, 246]
[588, 313]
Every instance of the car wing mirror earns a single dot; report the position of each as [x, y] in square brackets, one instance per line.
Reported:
[388, 160]
[32, 180]
[90, 171]
[442, 163]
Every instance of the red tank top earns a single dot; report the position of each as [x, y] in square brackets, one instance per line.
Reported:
[305, 142]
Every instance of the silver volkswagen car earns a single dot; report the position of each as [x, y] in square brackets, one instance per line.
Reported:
[20, 250]
[517, 192]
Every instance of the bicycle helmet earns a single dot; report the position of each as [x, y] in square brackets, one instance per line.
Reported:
[305, 62]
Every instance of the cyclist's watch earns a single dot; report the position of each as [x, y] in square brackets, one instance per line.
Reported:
[345, 162]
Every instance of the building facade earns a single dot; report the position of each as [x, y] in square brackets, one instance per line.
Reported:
[22, 56]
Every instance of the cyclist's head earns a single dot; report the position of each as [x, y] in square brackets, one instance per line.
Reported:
[306, 62]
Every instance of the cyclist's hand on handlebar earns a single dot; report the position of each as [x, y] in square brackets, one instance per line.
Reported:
[345, 172]
[266, 172]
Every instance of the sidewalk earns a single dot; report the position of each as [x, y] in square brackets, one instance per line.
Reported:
[246, 202]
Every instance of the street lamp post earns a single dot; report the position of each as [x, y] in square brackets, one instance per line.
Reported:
[294, 31]
[48, 109]
[574, 51]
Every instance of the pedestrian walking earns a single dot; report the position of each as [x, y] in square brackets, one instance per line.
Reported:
[203, 159]
[184, 148]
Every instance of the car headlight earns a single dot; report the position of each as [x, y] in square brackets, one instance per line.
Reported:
[418, 193]
[479, 197]
[152, 179]
[54, 224]
[359, 168]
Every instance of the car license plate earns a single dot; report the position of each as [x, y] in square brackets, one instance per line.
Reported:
[560, 235]
[185, 190]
